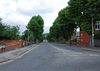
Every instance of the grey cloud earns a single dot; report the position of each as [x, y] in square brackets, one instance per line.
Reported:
[20, 24]
[44, 11]
[35, 11]
[25, 12]
[46, 29]
[23, 27]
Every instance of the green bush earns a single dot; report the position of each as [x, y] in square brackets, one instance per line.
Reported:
[97, 35]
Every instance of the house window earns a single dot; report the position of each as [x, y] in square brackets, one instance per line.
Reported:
[98, 25]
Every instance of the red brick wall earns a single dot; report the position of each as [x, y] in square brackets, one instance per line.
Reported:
[84, 38]
[12, 44]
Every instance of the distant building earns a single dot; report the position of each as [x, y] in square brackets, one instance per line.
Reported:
[84, 39]
[97, 34]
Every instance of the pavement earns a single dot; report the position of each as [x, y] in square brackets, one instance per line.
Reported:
[14, 54]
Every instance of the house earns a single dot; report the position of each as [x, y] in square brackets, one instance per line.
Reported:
[85, 38]
[97, 34]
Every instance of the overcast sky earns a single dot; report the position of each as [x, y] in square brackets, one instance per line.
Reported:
[19, 12]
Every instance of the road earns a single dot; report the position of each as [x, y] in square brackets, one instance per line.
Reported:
[55, 57]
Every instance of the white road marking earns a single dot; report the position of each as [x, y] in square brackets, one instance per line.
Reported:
[93, 55]
[72, 53]
[90, 49]
[68, 52]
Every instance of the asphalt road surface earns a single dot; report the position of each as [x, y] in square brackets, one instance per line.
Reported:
[55, 57]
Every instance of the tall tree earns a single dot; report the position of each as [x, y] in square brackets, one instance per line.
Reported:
[8, 32]
[2, 28]
[90, 8]
[35, 26]
[11, 32]
[63, 27]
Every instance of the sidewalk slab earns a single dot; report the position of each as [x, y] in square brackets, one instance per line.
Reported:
[11, 55]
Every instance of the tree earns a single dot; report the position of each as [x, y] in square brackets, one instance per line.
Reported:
[25, 35]
[63, 27]
[8, 32]
[66, 21]
[2, 28]
[35, 26]
[11, 32]
[90, 8]
[15, 32]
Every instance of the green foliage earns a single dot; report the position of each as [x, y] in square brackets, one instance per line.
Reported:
[60, 29]
[2, 27]
[90, 8]
[86, 27]
[35, 27]
[97, 35]
[64, 25]
[25, 35]
[8, 32]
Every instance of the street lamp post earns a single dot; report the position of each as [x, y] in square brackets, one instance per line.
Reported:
[28, 36]
[92, 44]
[92, 24]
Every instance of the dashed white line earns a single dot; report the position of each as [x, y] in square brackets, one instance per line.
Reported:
[76, 53]
[90, 49]
[93, 55]
[73, 55]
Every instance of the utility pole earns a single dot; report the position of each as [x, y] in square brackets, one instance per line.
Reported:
[28, 38]
[92, 44]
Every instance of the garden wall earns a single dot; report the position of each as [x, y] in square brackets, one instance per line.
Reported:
[11, 44]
